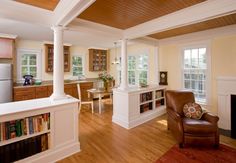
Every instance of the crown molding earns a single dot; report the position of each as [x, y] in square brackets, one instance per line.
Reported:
[3, 35]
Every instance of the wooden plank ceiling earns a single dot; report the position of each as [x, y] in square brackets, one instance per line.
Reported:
[45, 4]
[208, 24]
[124, 14]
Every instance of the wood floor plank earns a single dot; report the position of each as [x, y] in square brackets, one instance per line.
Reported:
[105, 142]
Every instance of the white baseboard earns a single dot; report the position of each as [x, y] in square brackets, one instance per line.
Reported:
[51, 156]
[144, 117]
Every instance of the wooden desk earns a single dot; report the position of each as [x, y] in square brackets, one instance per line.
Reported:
[100, 93]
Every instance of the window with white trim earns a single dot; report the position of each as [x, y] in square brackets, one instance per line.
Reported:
[195, 72]
[77, 66]
[137, 69]
[131, 70]
[29, 63]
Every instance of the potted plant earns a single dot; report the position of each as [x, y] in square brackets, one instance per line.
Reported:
[106, 78]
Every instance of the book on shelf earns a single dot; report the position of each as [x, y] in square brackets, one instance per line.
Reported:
[24, 148]
[145, 107]
[24, 126]
[145, 96]
[159, 94]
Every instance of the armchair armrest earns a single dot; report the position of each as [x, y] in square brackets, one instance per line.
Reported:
[174, 115]
[210, 118]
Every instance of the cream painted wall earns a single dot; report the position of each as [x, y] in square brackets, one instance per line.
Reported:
[74, 50]
[135, 49]
[223, 62]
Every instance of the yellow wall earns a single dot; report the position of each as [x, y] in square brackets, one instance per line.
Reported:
[223, 63]
[74, 50]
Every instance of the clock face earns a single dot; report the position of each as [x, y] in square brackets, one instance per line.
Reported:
[163, 75]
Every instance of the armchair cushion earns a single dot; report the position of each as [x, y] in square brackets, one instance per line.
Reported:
[195, 126]
[192, 110]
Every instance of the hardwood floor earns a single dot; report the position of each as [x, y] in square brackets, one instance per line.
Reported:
[105, 142]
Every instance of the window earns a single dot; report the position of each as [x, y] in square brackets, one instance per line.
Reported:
[143, 68]
[137, 69]
[77, 66]
[131, 69]
[195, 72]
[29, 63]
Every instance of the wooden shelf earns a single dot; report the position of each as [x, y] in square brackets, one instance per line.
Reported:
[49, 53]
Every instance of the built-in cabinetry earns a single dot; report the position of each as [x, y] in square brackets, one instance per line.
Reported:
[34, 92]
[49, 55]
[151, 100]
[37, 130]
[135, 106]
[6, 48]
[24, 137]
[98, 60]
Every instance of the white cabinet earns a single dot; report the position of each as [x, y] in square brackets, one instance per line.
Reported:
[135, 106]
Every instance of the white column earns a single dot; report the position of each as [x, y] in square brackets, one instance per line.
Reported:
[156, 66]
[124, 83]
[58, 65]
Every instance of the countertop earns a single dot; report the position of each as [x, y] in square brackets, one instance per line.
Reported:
[28, 105]
[50, 82]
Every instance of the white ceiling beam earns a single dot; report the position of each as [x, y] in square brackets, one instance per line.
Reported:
[25, 13]
[197, 13]
[67, 10]
[85, 26]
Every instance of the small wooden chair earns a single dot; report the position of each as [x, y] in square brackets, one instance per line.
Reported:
[84, 101]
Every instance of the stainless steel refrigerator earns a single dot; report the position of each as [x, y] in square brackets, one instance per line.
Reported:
[5, 83]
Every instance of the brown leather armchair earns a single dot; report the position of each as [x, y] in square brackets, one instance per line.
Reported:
[187, 130]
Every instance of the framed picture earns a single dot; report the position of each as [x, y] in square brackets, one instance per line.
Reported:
[163, 78]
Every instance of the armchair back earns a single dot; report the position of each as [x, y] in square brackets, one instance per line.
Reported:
[176, 100]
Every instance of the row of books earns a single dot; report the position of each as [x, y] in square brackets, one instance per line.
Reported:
[145, 107]
[160, 102]
[26, 126]
[145, 96]
[25, 148]
[159, 94]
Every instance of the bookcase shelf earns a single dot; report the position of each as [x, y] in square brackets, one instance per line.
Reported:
[33, 132]
[50, 143]
[138, 105]
[151, 100]
[13, 140]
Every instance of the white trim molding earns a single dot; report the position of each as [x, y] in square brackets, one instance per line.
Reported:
[38, 53]
[226, 86]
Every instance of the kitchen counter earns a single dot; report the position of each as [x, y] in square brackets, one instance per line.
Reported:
[48, 83]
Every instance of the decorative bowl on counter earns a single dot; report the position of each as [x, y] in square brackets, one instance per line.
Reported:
[38, 82]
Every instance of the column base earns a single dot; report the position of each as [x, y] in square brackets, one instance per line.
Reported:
[123, 88]
[55, 97]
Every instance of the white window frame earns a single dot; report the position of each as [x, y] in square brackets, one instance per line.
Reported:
[83, 63]
[203, 44]
[38, 53]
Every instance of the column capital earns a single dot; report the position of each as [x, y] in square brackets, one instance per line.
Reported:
[57, 28]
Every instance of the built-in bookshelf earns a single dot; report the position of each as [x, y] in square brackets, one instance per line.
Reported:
[24, 137]
[138, 105]
[146, 100]
[152, 100]
[159, 98]
[24, 148]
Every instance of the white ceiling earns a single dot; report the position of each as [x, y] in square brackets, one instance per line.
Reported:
[31, 23]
